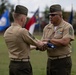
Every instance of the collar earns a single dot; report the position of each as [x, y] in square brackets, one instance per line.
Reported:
[61, 24]
[16, 24]
[50, 26]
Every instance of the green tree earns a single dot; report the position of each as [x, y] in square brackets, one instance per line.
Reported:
[4, 4]
[46, 14]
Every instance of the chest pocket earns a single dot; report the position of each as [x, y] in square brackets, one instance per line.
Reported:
[59, 33]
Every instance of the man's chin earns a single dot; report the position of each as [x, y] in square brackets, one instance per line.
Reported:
[51, 21]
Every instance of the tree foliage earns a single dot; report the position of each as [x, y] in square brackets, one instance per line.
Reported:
[4, 5]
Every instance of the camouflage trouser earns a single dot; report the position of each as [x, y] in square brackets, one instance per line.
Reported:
[59, 66]
[20, 68]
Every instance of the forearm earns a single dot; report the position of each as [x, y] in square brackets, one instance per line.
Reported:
[32, 47]
[60, 42]
[57, 42]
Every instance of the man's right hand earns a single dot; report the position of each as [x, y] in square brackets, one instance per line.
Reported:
[41, 46]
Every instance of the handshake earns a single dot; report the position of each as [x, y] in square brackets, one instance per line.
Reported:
[43, 45]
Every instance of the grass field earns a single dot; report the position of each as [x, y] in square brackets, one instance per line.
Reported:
[38, 59]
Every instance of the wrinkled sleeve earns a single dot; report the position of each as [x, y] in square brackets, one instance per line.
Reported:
[28, 38]
[68, 32]
[44, 31]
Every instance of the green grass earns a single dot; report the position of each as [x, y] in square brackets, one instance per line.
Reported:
[38, 59]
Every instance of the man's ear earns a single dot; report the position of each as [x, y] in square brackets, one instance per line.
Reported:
[22, 19]
[60, 15]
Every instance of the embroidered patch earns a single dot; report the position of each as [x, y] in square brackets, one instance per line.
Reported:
[60, 31]
[70, 31]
